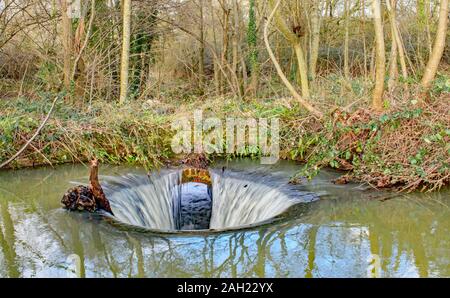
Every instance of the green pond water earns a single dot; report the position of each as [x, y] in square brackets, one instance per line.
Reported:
[352, 231]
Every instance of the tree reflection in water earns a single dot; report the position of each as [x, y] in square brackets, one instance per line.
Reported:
[332, 237]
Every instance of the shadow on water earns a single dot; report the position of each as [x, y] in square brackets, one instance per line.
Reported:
[336, 236]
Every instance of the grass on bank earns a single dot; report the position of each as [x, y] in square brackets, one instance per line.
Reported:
[407, 147]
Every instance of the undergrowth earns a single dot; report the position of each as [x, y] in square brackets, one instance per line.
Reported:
[407, 147]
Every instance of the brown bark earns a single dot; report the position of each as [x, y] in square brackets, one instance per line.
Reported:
[393, 67]
[346, 40]
[83, 198]
[125, 58]
[316, 21]
[380, 61]
[294, 37]
[225, 39]
[304, 102]
[96, 188]
[396, 38]
[66, 37]
[438, 48]
[201, 57]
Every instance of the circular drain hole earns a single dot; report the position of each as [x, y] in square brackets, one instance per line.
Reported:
[186, 200]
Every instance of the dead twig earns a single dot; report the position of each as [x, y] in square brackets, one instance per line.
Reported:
[33, 137]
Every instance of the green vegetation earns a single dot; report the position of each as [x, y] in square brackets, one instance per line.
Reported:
[379, 149]
[360, 86]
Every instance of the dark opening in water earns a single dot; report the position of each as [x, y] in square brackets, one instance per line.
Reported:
[195, 206]
[175, 200]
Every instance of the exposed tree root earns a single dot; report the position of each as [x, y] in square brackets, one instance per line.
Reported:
[83, 198]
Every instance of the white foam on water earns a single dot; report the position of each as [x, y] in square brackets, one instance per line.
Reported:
[238, 199]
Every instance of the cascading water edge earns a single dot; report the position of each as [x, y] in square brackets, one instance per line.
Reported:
[146, 201]
[164, 202]
[246, 198]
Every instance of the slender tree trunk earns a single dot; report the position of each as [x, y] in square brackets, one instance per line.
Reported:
[392, 8]
[372, 62]
[363, 11]
[393, 60]
[296, 43]
[315, 42]
[125, 59]
[225, 39]
[393, 67]
[201, 57]
[346, 40]
[235, 39]
[304, 102]
[67, 42]
[217, 73]
[78, 72]
[253, 50]
[420, 6]
[237, 75]
[302, 70]
[438, 47]
[427, 26]
[377, 100]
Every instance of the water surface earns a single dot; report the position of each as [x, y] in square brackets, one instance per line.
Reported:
[340, 235]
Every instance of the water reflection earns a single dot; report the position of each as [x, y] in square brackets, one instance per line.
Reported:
[334, 237]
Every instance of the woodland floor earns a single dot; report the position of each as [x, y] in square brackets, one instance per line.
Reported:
[406, 148]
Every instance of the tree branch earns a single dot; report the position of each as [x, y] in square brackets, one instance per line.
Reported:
[33, 137]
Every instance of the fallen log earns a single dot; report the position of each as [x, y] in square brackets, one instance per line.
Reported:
[87, 198]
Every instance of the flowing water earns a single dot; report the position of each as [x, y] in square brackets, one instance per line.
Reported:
[146, 201]
[326, 231]
[235, 199]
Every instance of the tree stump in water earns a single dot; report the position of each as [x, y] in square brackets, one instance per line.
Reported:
[83, 198]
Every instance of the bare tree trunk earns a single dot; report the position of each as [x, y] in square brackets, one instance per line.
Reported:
[393, 67]
[346, 39]
[225, 39]
[392, 8]
[427, 26]
[235, 39]
[67, 42]
[363, 11]
[301, 100]
[302, 69]
[79, 69]
[252, 33]
[217, 74]
[296, 43]
[237, 49]
[420, 12]
[393, 60]
[438, 47]
[315, 27]
[201, 57]
[377, 100]
[372, 63]
[125, 59]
